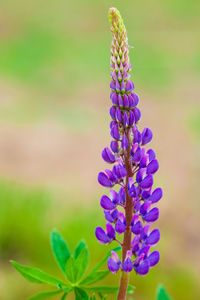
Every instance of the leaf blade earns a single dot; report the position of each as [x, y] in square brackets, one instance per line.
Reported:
[94, 277]
[81, 245]
[162, 294]
[36, 275]
[60, 249]
[80, 294]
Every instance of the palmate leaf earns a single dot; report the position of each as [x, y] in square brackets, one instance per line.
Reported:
[102, 289]
[94, 277]
[37, 275]
[60, 250]
[80, 294]
[76, 267]
[44, 295]
[162, 294]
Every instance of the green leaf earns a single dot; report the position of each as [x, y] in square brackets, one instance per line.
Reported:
[60, 250]
[103, 289]
[64, 296]
[130, 289]
[75, 268]
[36, 275]
[94, 276]
[105, 258]
[162, 294]
[81, 245]
[80, 294]
[44, 295]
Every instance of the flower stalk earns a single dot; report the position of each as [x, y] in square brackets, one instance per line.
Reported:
[128, 210]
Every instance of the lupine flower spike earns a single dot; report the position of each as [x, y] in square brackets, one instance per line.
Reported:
[129, 209]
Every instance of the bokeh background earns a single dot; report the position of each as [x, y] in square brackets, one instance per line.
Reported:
[54, 101]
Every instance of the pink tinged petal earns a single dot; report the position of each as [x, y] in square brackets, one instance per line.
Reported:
[145, 207]
[147, 182]
[153, 238]
[106, 203]
[108, 156]
[143, 268]
[153, 167]
[156, 195]
[146, 136]
[101, 236]
[154, 258]
[127, 265]
[113, 266]
[103, 180]
[117, 86]
[110, 231]
[152, 215]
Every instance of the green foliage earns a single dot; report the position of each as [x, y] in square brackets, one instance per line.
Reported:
[60, 250]
[74, 267]
[162, 294]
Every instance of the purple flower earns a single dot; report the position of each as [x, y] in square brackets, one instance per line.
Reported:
[132, 198]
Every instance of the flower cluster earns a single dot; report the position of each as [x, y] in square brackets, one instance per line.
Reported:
[130, 206]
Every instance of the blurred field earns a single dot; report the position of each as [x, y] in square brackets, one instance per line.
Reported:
[54, 101]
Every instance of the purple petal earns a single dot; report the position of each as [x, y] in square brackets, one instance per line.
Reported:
[156, 195]
[147, 182]
[154, 258]
[137, 136]
[114, 146]
[154, 237]
[126, 102]
[103, 180]
[145, 207]
[137, 114]
[114, 98]
[131, 119]
[107, 155]
[112, 85]
[110, 231]
[137, 155]
[135, 99]
[113, 266]
[136, 229]
[101, 235]
[119, 115]
[111, 216]
[153, 167]
[124, 142]
[146, 136]
[120, 100]
[120, 227]
[152, 215]
[112, 112]
[115, 132]
[129, 86]
[127, 265]
[106, 203]
[143, 268]
[151, 154]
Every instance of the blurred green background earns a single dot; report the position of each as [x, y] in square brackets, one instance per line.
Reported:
[54, 101]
